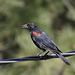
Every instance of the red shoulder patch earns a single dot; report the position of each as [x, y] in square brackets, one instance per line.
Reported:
[36, 34]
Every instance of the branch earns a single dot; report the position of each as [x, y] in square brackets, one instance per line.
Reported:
[31, 58]
[67, 4]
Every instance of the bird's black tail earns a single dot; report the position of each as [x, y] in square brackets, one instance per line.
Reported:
[62, 57]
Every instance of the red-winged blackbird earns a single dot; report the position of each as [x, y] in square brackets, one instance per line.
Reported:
[43, 41]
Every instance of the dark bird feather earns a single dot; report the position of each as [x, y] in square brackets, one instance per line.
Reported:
[44, 42]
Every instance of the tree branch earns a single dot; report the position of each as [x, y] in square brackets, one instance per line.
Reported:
[68, 4]
[31, 58]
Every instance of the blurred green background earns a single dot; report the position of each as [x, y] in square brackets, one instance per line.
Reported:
[55, 17]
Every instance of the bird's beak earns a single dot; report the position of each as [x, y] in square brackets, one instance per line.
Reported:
[24, 26]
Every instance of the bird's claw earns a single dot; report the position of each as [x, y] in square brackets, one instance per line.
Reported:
[38, 54]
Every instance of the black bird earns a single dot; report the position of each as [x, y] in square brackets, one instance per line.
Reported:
[43, 41]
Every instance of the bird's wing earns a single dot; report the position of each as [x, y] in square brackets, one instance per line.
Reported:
[44, 41]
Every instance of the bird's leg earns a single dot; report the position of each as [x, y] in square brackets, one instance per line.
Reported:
[46, 53]
[40, 53]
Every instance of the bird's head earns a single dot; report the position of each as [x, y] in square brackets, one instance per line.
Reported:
[29, 26]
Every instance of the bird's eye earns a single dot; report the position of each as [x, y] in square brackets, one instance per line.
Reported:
[27, 24]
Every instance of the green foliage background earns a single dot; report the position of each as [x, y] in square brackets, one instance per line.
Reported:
[55, 17]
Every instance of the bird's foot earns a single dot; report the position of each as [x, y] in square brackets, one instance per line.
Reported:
[38, 54]
[46, 53]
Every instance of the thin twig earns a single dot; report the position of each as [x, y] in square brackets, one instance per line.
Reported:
[67, 4]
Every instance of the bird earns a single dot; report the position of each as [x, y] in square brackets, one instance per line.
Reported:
[43, 41]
